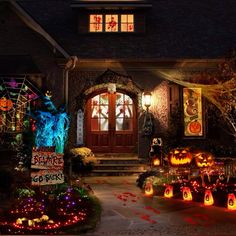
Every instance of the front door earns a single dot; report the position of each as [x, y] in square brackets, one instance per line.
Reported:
[111, 123]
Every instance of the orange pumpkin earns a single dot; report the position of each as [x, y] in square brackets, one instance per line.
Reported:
[195, 127]
[208, 198]
[180, 156]
[5, 104]
[204, 159]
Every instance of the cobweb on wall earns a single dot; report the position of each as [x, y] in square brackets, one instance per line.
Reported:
[16, 96]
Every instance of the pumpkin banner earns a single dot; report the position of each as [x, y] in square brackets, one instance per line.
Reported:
[193, 121]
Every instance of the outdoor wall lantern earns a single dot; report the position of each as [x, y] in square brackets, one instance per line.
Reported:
[147, 97]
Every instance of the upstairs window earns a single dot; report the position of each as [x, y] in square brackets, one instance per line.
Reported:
[96, 23]
[127, 23]
[111, 23]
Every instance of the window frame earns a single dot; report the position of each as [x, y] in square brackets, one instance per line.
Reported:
[104, 23]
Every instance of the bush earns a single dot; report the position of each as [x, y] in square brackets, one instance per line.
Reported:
[83, 160]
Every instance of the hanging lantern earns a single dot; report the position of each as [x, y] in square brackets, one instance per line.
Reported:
[168, 191]
[208, 198]
[180, 156]
[231, 203]
[148, 189]
[156, 162]
[187, 195]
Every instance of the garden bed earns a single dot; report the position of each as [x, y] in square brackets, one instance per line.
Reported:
[67, 210]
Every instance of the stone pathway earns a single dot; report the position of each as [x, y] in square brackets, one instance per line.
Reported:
[126, 211]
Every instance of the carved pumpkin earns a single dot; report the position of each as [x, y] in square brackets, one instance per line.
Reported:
[148, 189]
[195, 127]
[208, 198]
[187, 195]
[231, 202]
[5, 104]
[168, 191]
[204, 159]
[180, 156]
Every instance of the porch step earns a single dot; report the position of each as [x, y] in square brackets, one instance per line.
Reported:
[111, 164]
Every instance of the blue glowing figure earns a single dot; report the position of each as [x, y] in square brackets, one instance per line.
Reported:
[51, 126]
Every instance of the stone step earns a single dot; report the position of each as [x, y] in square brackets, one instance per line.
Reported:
[120, 167]
[118, 164]
[116, 172]
[116, 155]
[119, 161]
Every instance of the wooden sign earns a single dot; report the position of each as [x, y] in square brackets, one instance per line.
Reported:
[47, 160]
[47, 177]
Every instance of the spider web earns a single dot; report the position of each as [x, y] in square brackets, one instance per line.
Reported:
[21, 93]
[222, 94]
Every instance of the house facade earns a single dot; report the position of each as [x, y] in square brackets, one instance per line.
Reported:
[101, 57]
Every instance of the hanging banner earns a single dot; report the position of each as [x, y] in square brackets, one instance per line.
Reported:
[80, 128]
[47, 177]
[192, 103]
[47, 160]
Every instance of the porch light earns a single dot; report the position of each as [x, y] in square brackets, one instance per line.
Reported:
[147, 97]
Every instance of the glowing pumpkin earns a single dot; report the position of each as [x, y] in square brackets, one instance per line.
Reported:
[208, 198]
[148, 189]
[156, 162]
[195, 127]
[5, 104]
[187, 195]
[180, 156]
[168, 191]
[204, 159]
[231, 202]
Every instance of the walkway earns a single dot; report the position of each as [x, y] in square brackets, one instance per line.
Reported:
[126, 211]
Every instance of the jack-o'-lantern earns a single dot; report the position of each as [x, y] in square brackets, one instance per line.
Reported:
[204, 159]
[5, 104]
[187, 195]
[148, 189]
[208, 198]
[168, 191]
[195, 127]
[231, 202]
[180, 156]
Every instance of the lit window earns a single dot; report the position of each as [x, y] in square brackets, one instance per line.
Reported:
[111, 23]
[96, 23]
[127, 23]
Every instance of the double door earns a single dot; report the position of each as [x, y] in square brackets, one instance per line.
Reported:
[111, 123]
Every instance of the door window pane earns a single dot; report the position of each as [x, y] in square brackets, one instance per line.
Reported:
[99, 112]
[124, 112]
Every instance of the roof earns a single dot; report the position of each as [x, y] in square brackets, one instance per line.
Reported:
[174, 29]
[90, 4]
